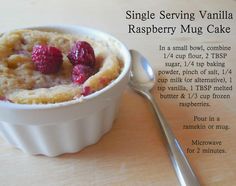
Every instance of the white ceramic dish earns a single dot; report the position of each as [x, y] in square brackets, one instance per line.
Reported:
[54, 129]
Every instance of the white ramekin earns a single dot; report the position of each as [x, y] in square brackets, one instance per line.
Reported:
[54, 129]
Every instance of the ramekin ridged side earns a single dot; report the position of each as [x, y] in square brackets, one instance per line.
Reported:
[57, 138]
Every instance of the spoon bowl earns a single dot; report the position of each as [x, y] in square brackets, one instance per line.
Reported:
[142, 80]
[142, 74]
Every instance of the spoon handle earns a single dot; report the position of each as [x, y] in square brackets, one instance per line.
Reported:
[181, 165]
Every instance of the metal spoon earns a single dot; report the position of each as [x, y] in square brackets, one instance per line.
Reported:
[142, 80]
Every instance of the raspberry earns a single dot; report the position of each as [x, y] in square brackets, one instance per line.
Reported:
[104, 81]
[82, 53]
[2, 98]
[86, 91]
[81, 73]
[47, 59]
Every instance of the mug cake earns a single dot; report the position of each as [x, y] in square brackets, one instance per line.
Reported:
[42, 67]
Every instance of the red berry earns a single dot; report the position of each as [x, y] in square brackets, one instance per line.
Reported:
[86, 91]
[2, 98]
[47, 59]
[82, 53]
[104, 81]
[81, 73]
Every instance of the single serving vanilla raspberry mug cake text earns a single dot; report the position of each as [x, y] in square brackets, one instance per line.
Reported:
[40, 67]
